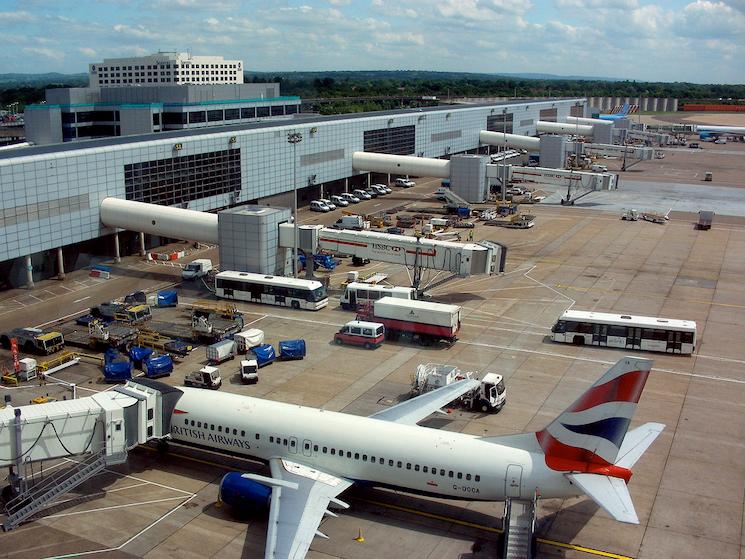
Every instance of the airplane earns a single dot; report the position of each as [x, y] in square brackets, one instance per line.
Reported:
[619, 115]
[713, 133]
[315, 454]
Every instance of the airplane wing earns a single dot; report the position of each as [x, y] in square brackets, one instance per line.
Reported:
[300, 499]
[413, 411]
[610, 493]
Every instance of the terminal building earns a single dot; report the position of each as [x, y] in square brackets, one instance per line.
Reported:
[51, 193]
[156, 93]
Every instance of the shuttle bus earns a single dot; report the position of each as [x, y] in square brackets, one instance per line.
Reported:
[271, 290]
[357, 293]
[645, 333]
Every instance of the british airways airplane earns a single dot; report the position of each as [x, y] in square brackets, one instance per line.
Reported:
[314, 454]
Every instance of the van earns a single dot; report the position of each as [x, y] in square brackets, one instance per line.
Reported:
[599, 168]
[406, 183]
[318, 206]
[196, 269]
[369, 335]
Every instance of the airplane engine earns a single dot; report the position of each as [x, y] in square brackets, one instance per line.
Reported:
[245, 495]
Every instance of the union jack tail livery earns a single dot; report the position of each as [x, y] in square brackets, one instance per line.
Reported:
[591, 443]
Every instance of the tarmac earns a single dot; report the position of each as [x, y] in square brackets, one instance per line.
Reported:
[688, 489]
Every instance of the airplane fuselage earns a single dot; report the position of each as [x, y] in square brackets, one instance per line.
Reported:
[368, 450]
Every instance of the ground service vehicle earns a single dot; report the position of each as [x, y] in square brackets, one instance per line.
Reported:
[291, 349]
[271, 290]
[355, 222]
[373, 193]
[417, 320]
[406, 183]
[625, 331]
[116, 366]
[197, 269]
[158, 365]
[489, 396]
[220, 351]
[369, 335]
[328, 203]
[705, 218]
[382, 188]
[265, 354]
[167, 298]
[351, 198]
[318, 206]
[249, 371]
[361, 194]
[247, 339]
[339, 202]
[206, 377]
[34, 340]
[356, 294]
[132, 314]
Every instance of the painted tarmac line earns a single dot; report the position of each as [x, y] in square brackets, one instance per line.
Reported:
[114, 507]
[603, 361]
[97, 493]
[81, 300]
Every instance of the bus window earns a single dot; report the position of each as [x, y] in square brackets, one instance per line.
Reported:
[687, 337]
[618, 331]
[560, 327]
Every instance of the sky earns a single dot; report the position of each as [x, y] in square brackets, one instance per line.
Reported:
[699, 41]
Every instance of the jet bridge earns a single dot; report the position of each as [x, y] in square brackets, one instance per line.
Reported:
[96, 431]
[460, 259]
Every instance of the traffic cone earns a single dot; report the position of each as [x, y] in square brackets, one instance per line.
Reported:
[359, 538]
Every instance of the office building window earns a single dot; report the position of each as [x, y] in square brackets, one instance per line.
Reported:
[232, 114]
[395, 141]
[248, 112]
[214, 115]
[196, 116]
[278, 110]
[262, 111]
[181, 179]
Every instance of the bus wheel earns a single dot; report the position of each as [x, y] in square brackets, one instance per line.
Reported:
[295, 305]
[578, 340]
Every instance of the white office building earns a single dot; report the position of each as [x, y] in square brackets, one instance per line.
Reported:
[165, 68]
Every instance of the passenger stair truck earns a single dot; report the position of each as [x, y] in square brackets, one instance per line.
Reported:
[490, 396]
[94, 432]
[420, 321]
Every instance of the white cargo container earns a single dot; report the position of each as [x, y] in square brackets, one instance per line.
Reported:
[221, 351]
[247, 339]
[428, 321]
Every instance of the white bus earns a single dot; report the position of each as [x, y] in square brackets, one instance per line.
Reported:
[271, 290]
[645, 333]
[357, 293]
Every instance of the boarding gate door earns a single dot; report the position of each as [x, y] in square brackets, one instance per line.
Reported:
[600, 334]
[307, 447]
[293, 445]
[513, 481]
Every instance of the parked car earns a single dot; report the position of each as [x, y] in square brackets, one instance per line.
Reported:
[406, 183]
[361, 194]
[339, 201]
[318, 206]
[384, 187]
[693, 145]
[351, 198]
[329, 203]
[377, 190]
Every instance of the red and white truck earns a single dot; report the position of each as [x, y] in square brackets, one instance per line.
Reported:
[422, 321]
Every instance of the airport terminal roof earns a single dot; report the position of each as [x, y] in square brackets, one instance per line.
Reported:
[299, 121]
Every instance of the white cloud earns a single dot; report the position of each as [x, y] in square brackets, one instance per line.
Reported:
[15, 16]
[89, 52]
[52, 54]
[137, 31]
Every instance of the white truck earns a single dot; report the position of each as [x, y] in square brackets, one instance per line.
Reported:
[421, 320]
[206, 377]
[489, 397]
[354, 222]
[247, 339]
[249, 371]
[196, 269]
[220, 351]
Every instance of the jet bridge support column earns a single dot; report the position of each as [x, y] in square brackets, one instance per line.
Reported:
[17, 481]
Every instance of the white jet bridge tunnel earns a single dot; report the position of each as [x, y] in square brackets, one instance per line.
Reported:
[461, 259]
[98, 430]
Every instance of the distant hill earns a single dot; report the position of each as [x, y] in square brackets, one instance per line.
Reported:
[529, 76]
[35, 80]
[422, 75]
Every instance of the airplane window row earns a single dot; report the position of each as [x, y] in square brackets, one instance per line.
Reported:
[379, 460]
[292, 443]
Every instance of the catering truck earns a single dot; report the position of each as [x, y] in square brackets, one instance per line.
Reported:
[420, 321]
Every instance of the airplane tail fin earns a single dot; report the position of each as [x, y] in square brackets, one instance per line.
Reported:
[591, 443]
[625, 109]
[589, 434]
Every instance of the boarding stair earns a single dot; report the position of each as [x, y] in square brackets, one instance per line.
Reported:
[519, 528]
[43, 493]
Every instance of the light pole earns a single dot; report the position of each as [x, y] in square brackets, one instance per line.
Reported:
[294, 138]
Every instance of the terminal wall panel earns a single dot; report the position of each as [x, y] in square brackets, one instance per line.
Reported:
[249, 238]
